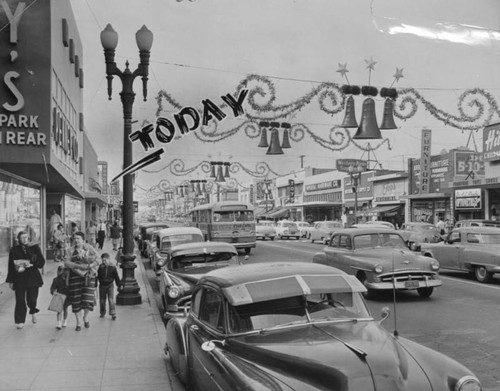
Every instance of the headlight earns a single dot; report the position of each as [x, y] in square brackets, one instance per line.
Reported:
[468, 383]
[434, 266]
[173, 292]
[160, 262]
[378, 269]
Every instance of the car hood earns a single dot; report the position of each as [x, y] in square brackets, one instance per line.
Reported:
[324, 357]
[403, 258]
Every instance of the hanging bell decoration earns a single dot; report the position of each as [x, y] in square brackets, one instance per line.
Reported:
[212, 169]
[368, 128]
[193, 188]
[198, 189]
[274, 145]
[226, 169]
[203, 186]
[263, 134]
[388, 118]
[220, 175]
[350, 114]
[286, 135]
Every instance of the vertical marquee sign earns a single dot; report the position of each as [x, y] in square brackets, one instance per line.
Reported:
[425, 161]
[491, 142]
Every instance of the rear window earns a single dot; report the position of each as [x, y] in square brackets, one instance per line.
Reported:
[174, 240]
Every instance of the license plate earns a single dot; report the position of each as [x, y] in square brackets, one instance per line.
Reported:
[411, 284]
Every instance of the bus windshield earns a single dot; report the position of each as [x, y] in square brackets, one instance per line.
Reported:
[231, 216]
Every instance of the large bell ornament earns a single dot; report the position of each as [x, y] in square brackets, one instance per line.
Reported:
[274, 146]
[350, 114]
[286, 139]
[212, 169]
[226, 169]
[368, 128]
[220, 175]
[198, 189]
[388, 118]
[263, 138]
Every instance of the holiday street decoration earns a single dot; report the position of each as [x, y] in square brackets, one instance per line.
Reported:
[476, 107]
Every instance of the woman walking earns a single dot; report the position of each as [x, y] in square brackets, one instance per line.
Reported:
[82, 261]
[24, 278]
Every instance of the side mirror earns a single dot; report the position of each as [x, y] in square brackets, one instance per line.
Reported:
[208, 346]
[385, 312]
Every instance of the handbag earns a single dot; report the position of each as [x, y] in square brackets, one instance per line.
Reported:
[57, 302]
[21, 265]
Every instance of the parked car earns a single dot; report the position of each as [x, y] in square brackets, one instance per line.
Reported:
[144, 235]
[477, 223]
[184, 266]
[304, 228]
[165, 239]
[472, 249]
[323, 230]
[416, 233]
[381, 260]
[264, 230]
[313, 333]
[287, 229]
[381, 222]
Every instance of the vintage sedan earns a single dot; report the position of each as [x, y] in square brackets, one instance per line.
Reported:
[165, 239]
[298, 326]
[381, 260]
[304, 228]
[287, 229]
[472, 249]
[265, 230]
[184, 265]
[323, 230]
[144, 235]
[416, 233]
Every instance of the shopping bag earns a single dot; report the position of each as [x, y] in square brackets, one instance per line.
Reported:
[57, 302]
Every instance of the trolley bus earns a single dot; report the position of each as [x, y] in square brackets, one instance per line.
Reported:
[226, 221]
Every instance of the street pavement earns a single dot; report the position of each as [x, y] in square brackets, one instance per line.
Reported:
[125, 354]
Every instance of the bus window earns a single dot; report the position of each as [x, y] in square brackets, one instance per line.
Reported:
[226, 216]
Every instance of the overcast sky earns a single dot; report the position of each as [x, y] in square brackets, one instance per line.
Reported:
[203, 49]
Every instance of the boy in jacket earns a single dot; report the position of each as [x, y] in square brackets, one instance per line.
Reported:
[106, 275]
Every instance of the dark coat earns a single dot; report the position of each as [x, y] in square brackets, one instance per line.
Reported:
[31, 277]
[106, 274]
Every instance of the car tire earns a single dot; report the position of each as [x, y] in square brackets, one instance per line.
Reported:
[272, 238]
[309, 235]
[297, 238]
[312, 240]
[247, 250]
[482, 275]
[425, 292]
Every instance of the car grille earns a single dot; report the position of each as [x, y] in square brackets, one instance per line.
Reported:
[407, 276]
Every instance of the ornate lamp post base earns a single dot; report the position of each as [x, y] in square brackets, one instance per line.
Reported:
[129, 295]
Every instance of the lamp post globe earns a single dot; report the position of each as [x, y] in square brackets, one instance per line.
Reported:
[109, 39]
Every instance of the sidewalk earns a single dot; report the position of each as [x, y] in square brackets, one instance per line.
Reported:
[125, 354]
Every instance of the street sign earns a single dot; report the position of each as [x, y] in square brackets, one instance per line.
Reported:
[344, 165]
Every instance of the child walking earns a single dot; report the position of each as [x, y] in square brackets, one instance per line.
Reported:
[106, 275]
[60, 285]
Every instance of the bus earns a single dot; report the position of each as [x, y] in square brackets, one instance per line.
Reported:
[226, 221]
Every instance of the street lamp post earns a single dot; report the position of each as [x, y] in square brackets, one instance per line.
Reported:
[355, 174]
[109, 39]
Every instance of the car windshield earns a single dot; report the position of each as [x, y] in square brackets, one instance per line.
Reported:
[379, 240]
[173, 240]
[483, 238]
[428, 228]
[201, 259]
[331, 306]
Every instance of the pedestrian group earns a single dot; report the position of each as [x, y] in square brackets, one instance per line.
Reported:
[82, 271]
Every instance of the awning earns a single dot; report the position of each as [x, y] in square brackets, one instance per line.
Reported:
[381, 209]
[278, 212]
[260, 211]
[99, 199]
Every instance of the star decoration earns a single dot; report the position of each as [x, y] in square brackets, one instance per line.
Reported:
[399, 74]
[370, 64]
[342, 69]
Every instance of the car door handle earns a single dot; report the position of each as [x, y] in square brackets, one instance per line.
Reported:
[194, 327]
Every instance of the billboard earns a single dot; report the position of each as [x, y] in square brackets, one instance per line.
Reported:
[491, 142]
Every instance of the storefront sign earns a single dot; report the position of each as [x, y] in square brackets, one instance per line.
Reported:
[469, 164]
[390, 190]
[351, 165]
[425, 161]
[468, 199]
[335, 184]
[24, 119]
[491, 142]
[441, 173]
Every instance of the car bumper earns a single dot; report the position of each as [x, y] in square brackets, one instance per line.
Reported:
[405, 285]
